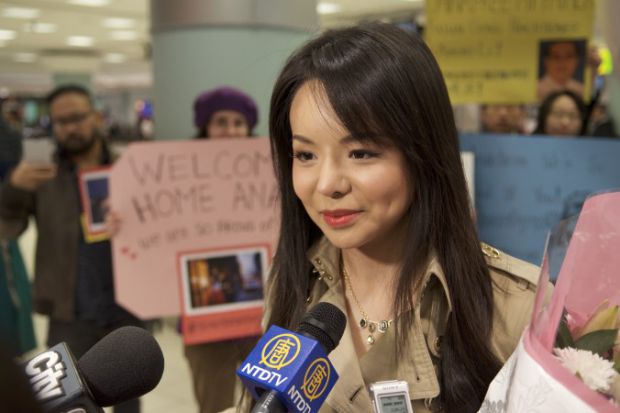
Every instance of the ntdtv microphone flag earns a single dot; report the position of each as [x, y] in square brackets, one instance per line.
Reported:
[294, 366]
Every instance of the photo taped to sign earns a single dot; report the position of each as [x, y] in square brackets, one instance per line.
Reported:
[223, 279]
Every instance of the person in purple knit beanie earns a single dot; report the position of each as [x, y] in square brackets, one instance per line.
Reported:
[224, 112]
[220, 113]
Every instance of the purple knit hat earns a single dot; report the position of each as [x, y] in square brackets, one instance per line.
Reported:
[224, 98]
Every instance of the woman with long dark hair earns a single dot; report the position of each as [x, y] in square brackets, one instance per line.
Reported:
[376, 219]
[562, 114]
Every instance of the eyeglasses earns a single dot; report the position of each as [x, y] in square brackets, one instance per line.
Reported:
[559, 114]
[73, 118]
[563, 57]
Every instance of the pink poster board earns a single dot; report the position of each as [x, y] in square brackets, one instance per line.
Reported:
[180, 197]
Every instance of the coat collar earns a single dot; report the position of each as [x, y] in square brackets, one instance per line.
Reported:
[326, 261]
[379, 363]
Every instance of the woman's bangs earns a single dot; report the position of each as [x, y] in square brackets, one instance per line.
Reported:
[356, 112]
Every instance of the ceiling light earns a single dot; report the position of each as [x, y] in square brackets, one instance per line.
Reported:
[123, 35]
[21, 13]
[37, 27]
[115, 58]
[90, 3]
[7, 34]
[118, 23]
[25, 57]
[80, 41]
[328, 8]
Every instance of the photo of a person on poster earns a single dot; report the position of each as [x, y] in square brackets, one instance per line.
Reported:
[561, 66]
[94, 192]
[229, 278]
[98, 192]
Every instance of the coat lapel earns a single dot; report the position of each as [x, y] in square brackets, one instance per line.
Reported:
[349, 393]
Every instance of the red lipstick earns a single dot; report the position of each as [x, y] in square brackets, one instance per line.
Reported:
[338, 218]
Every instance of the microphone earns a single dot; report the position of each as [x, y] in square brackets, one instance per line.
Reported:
[123, 365]
[16, 397]
[290, 371]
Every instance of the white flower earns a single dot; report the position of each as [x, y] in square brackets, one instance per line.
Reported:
[596, 372]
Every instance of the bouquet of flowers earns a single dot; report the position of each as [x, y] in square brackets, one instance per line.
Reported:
[569, 356]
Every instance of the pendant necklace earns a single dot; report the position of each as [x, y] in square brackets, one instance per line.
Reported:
[365, 322]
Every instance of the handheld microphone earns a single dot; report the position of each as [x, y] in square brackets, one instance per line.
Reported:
[290, 371]
[17, 395]
[123, 365]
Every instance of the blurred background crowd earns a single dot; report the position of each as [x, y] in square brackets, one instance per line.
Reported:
[187, 69]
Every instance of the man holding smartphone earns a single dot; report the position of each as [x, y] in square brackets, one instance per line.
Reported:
[73, 278]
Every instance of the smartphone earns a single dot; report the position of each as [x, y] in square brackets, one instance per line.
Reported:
[39, 151]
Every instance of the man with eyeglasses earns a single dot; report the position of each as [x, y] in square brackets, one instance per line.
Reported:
[73, 278]
[503, 118]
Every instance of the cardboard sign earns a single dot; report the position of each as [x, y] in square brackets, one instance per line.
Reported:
[526, 185]
[468, 161]
[497, 52]
[178, 197]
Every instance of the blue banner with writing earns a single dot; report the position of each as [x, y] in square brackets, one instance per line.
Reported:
[525, 185]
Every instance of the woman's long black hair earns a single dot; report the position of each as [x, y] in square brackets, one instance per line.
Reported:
[384, 84]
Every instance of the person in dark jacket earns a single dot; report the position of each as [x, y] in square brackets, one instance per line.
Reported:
[73, 282]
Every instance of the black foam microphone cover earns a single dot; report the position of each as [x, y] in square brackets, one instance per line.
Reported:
[123, 365]
[325, 323]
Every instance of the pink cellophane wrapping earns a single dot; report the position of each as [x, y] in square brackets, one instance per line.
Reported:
[532, 379]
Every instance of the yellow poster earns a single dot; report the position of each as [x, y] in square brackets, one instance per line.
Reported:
[510, 51]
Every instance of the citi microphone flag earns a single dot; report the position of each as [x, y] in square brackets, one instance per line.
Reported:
[56, 383]
[294, 366]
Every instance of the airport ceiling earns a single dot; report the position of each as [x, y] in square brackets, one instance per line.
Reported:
[111, 38]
